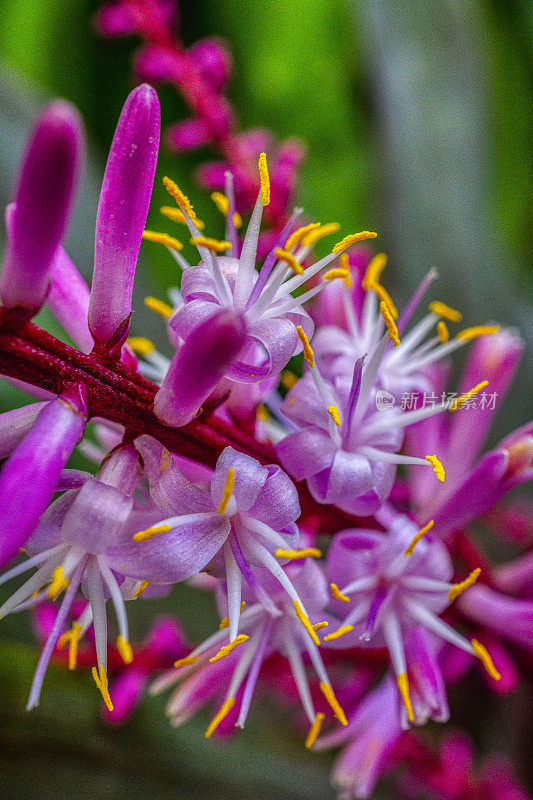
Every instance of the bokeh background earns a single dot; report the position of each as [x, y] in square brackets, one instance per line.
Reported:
[417, 119]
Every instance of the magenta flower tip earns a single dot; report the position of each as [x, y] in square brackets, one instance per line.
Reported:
[39, 217]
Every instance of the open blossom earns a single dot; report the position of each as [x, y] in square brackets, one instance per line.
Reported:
[385, 587]
[264, 632]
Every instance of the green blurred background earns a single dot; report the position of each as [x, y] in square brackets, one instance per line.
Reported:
[417, 118]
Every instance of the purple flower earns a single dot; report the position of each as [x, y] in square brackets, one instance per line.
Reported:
[399, 581]
[38, 218]
[31, 473]
[122, 211]
[265, 632]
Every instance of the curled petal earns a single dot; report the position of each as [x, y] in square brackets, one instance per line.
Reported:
[277, 503]
[15, 424]
[250, 478]
[306, 452]
[37, 219]
[68, 300]
[122, 211]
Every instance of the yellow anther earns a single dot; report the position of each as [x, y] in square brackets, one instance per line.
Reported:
[124, 648]
[141, 588]
[72, 638]
[161, 308]
[438, 469]
[304, 619]
[166, 460]
[337, 594]
[162, 238]
[224, 622]
[308, 350]
[297, 235]
[265, 180]
[374, 270]
[464, 398]
[403, 687]
[100, 678]
[324, 230]
[143, 536]
[458, 588]
[181, 199]
[339, 272]
[347, 242]
[389, 322]
[442, 332]
[338, 633]
[185, 662]
[288, 379]
[229, 648]
[477, 330]
[177, 215]
[483, 655]
[308, 552]
[140, 345]
[319, 625]
[422, 532]
[58, 583]
[327, 691]
[214, 245]
[444, 311]
[228, 489]
[221, 202]
[262, 412]
[290, 260]
[333, 411]
[385, 297]
[226, 707]
[314, 730]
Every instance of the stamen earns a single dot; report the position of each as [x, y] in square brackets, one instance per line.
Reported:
[299, 234]
[442, 310]
[224, 622]
[443, 333]
[385, 297]
[72, 637]
[142, 536]
[264, 178]
[181, 199]
[229, 648]
[177, 215]
[184, 662]
[100, 678]
[288, 379]
[374, 270]
[403, 688]
[478, 330]
[308, 350]
[305, 622]
[314, 730]
[141, 588]
[333, 411]
[483, 655]
[389, 322]
[289, 259]
[319, 625]
[222, 203]
[158, 306]
[162, 238]
[409, 550]
[140, 345]
[58, 583]
[352, 239]
[226, 707]
[214, 245]
[327, 691]
[339, 272]
[124, 648]
[438, 469]
[228, 489]
[324, 230]
[458, 588]
[337, 594]
[309, 552]
[338, 633]
[463, 398]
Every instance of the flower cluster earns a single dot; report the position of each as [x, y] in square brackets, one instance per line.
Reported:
[220, 466]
